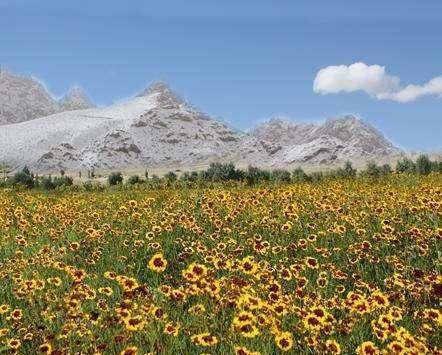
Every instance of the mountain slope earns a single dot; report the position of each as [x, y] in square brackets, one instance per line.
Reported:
[75, 99]
[153, 129]
[23, 99]
[334, 141]
[158, 128]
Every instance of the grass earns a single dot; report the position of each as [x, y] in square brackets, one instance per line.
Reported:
[344, 266]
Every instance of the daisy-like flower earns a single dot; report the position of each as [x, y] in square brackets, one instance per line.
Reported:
[13, 344]
[132, 350]
[284, 341]
[367, 348]
[333, 346]
[45, 348]
[241, 350]
[204, 339]
[171, 329]
[158, 263]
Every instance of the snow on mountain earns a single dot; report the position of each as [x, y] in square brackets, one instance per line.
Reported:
[23, 98]
[75, 99]
[334, 141]
[153, 129]
[158, 128]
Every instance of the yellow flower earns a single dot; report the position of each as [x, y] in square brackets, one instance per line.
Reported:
[134, 323]
[45, 348]
[284, 341]
[367, 348]
[158, 263]
[13, 343]
[132, 350]
[171, 329]
[333, 347]
[205, 339]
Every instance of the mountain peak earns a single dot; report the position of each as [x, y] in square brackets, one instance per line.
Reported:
[23, 98]
[166, 97]
[75, 99]
[157, 87]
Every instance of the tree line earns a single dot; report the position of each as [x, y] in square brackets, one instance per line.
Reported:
[226, 172]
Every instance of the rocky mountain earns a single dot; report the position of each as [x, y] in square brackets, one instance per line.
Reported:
[75, 99]
[23, 98]
[334, 141]
[158, 128]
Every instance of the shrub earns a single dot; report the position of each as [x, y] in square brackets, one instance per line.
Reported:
[372, 170]
[254, 175]
[280, 175]
[115, 178]
[299, 175]
[171, 176]
[316, 176]
[348, 170]
[46, 183]
[63, 180]
[386, 169]
[222, 172]
[423, 165]
[24, 177]
[405, 166]
[134, 179]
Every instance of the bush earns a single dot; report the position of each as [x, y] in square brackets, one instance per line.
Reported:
[63, 180]
[386, 169]
[189, 176]
[46, 183]
[405, 166]
[171, 176]
[372, 170]
[115, 179]
[24, 177]
[222, 172]
[348, 170]
[299, 175]
[316, 176]
[134, 179]
[280, 175]
[423, 165]
[254, 175]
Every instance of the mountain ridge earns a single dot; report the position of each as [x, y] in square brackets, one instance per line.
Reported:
[159, 128]
[24, 98]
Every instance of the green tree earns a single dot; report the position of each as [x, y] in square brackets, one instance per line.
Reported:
[115, 178]
[423, 165]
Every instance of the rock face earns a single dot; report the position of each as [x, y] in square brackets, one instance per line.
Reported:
[75, 99]
[23, 99]
[334, 141]
[158, 128]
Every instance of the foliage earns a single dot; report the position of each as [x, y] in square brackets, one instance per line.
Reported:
[24, 177]
[344, 266]
[115, 178]
[423, 165]
[222, 172]
[134, 179]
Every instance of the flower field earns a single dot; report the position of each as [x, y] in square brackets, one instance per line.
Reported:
[341, 267]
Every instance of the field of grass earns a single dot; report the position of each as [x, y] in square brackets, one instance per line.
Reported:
[340, 267]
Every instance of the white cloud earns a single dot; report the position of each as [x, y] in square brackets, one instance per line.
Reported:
[372, 79]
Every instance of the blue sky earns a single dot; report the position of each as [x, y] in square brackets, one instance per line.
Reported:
[242, 61]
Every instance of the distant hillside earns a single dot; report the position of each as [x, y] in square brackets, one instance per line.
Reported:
[24, 98]
[158, 128]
